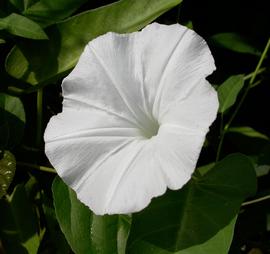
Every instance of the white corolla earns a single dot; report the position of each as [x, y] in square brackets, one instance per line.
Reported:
[136, 110]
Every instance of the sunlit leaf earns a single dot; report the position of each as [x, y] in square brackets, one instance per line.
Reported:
[85, 231]
[193, 215]
[234, 42]
[21, 26]
[18, 223]
[7, 170]
[228, 91]
[248, 131]
[38, 62]
[12, 120]
[47, 12]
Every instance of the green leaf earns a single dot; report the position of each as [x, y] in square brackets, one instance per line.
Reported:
[47, 12]
[56, 239]
[21, 26]
[221, 242]
[248, 131]
[2, 41]
[246, 144]
[228, 91]
[189, 24]
[264, 155]
[191, 216]
[19, 4]
[234, 42]
[40, 62]
[18, 224]
[12, 120]
[22, 5]
[204, 169]
[85, 231]
[7, 170]
[28, 3]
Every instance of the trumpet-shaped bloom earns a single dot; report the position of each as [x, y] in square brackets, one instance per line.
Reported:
[136, 110]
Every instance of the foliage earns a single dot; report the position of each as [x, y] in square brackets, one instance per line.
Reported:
[41, 41]
[7, 171]
[85, 231]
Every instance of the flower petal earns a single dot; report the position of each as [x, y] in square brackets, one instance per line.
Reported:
[75, 141]
[108, 76]
[123, 87]
[108, 167]
[124, 183]
[177, 153]
[138, 74]
[174, 59]
[195, 110]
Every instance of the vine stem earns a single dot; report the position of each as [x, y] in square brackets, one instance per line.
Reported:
[39, 116]
[251, 77]
[222, 135]
[250, 83]
[38, 167]
[257, 200]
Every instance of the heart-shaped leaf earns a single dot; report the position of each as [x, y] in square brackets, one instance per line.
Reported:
[194, 214]
[221, 242]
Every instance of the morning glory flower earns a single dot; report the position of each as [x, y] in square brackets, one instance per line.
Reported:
[136, 110]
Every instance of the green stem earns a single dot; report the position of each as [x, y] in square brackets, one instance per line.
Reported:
[222, 134]
[256, 83]
[12, 90]
[250, 83]
[31, 149]
[252, 77]
[39, 116]
[38, 167]
[257, 200]
[239, 105]
[260, 62]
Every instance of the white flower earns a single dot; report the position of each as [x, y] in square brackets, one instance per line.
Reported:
[135, 114]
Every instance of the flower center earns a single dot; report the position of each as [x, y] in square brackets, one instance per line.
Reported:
[151, 130]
